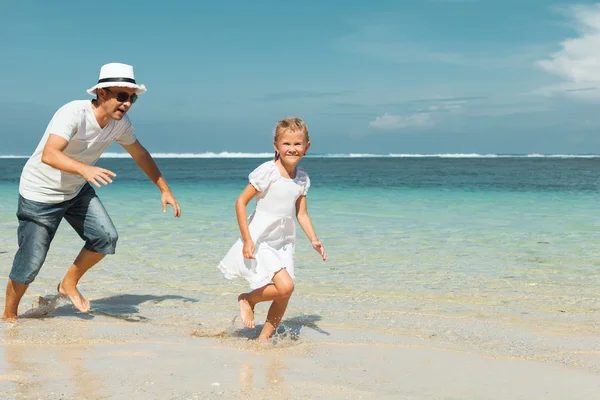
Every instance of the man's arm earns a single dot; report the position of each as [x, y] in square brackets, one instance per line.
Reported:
[54, 156]
[146, 163]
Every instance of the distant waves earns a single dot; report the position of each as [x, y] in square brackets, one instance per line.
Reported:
[227, 154]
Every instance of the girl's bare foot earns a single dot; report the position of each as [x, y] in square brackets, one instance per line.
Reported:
[246, 311]
[264, 341]
[80, 302]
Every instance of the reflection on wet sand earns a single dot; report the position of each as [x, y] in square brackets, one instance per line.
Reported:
[36, 377]
[86, 385]
[273, 373]
[18, 368]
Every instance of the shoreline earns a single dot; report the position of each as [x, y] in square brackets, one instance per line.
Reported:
[68, 358]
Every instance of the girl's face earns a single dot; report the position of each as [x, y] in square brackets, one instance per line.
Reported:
[291, 146]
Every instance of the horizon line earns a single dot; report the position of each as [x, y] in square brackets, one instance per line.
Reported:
[338, 155]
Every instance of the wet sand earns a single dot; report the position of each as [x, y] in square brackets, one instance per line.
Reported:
[72, 356]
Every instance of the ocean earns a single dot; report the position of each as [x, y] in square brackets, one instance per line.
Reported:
[500, 253]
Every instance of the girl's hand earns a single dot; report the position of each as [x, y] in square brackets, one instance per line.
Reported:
[248, 250]
[318, 246]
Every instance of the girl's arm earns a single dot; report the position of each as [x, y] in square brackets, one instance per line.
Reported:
[242, 217]
[307, 226]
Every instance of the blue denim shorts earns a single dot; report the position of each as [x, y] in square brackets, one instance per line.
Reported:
[38, 223]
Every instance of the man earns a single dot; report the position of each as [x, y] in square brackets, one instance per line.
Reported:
[56, 183]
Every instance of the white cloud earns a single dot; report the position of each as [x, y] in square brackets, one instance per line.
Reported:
[392, 122]
[453, 105]
[578, 60]
[419, 118]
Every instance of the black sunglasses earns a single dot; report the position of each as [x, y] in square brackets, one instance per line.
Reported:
[122, 97]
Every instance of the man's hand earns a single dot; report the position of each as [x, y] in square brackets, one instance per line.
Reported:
[168, 198]
[94, 174]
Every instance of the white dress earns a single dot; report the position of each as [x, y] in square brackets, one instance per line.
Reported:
[272, 227]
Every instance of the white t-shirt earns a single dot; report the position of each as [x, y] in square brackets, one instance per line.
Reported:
[75, 122]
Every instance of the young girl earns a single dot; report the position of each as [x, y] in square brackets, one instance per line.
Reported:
[264, 253]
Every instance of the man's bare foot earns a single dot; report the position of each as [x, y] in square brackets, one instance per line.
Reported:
[246, 311]
[9, 317]
[80, 302]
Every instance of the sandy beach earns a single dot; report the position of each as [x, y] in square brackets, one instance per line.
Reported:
[67, 355]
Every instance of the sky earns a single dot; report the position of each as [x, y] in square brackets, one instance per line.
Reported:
[410, 76]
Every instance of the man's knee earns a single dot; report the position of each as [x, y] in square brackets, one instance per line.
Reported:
[26, 267]
[37, 225]
[104, 240]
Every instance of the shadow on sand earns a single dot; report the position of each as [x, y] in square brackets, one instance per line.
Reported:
[125, 307]
[289, 329]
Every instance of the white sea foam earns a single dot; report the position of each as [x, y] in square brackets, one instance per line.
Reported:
[224, 154]
[42, 306]
[227, 154]
[450, 155]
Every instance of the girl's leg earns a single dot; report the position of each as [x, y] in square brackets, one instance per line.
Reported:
[274, 317]
[282, 287]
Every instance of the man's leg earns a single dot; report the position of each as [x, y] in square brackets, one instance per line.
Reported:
[68, 287]
[14, 294]
[90, 220]
[38, 223]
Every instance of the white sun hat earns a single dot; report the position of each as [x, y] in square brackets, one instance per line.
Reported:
[116, 74]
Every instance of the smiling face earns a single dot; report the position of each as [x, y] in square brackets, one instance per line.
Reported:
[110, 101]
[291, 145]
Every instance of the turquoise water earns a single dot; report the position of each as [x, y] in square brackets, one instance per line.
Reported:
[425, 246]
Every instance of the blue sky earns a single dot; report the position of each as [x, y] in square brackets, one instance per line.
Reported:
[421, 76]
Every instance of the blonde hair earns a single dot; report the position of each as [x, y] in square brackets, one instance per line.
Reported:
[293, 124]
